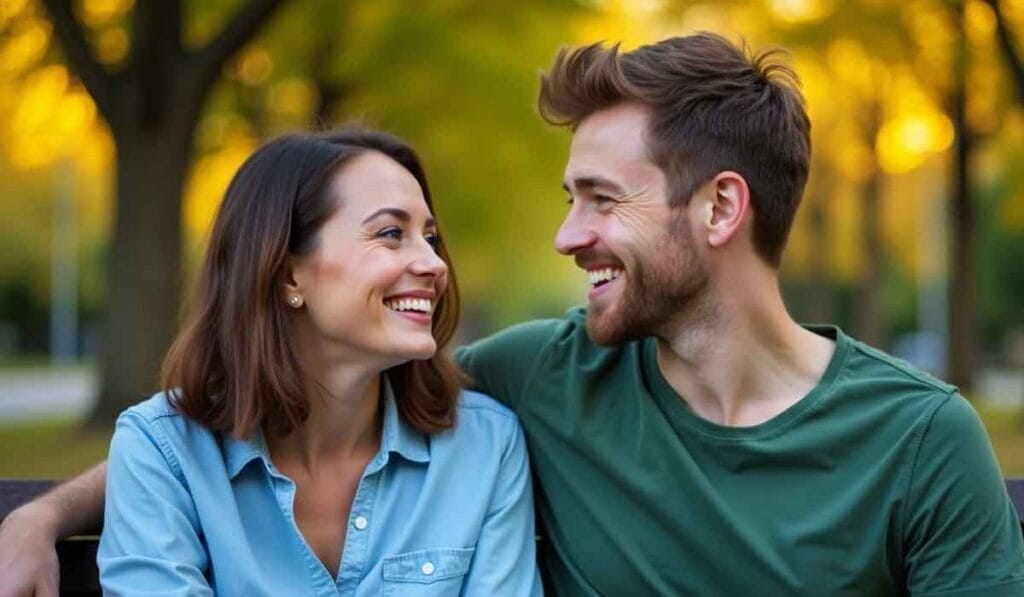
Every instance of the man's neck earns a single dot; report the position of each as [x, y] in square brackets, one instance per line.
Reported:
[747, 363]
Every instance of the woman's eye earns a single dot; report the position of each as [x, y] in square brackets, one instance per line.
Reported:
[434, 240]
[391, 233]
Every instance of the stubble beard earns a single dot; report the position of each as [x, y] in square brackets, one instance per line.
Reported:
[667, 291]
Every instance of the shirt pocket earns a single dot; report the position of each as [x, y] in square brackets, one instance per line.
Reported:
[427, 572]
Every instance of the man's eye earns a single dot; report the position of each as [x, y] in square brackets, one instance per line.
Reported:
[391, 233]
[603, 198]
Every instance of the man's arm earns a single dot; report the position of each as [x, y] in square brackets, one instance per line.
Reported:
[28, 558]
[961, 533]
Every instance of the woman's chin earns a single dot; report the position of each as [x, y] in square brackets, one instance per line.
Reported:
[419, 351]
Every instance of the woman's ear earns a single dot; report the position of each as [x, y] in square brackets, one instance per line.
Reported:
[291, 289]
[727, 207]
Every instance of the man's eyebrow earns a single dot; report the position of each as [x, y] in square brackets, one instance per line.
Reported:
[592, 182]
[399, 214]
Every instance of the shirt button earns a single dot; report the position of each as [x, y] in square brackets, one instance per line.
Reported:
[427, 569]
[361, 523]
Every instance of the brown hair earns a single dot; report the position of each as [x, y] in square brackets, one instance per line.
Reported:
[714, 107]
[233, 368]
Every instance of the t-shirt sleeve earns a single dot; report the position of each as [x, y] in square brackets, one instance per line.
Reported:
[500, 365]
[962, 533]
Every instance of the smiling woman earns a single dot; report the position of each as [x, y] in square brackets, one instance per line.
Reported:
[310, 431]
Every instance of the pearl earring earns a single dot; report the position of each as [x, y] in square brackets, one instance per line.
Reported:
[295, 301]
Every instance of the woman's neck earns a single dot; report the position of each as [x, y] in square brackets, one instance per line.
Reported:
[344, 421]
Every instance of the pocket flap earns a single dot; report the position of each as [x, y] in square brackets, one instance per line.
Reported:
[428, 565]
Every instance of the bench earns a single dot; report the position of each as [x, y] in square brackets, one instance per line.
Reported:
[79, 576]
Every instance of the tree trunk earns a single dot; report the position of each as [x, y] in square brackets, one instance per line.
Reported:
[961, 349]
[145, 261]
[868, 310]
[152, 103]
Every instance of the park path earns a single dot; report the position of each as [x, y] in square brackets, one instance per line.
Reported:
[42, 393]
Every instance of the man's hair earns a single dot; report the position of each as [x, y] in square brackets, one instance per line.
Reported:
[233, 367]
[714, 107]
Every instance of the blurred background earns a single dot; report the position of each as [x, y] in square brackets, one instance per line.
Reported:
[122, 122]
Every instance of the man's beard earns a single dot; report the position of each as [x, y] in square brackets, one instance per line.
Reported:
[669, 289]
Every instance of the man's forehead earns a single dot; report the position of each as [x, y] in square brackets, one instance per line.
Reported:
[607, 142]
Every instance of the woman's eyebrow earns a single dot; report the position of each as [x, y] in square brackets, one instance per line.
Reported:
[397, 213]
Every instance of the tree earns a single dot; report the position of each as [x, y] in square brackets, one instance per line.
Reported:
[152, 104]
[1008, 47]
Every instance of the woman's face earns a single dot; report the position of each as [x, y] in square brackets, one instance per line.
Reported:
[371, 285]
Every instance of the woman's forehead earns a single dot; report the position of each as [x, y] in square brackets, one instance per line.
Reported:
[371, 181]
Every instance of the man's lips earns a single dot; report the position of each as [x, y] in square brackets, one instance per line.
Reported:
[602, 279]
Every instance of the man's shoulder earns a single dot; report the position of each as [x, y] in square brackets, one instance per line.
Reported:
[897, 394]
[539, 332]
[868, 364]
[529, 338]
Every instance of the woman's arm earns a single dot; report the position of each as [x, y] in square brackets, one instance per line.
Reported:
[151, 539]
[505, 561]
[28, 559]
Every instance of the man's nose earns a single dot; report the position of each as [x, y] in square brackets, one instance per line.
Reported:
[574, 234]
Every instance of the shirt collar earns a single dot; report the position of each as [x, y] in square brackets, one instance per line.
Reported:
[397, 436]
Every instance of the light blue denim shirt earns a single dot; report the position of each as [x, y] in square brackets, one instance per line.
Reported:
[191, 512]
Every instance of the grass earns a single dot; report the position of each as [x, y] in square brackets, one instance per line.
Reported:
[57, 448]
[1006, 430]
[49, 450]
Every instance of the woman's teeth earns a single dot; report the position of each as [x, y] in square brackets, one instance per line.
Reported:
[599, 276]
[419, 305]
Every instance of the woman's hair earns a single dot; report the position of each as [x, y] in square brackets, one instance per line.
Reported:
[233, 367]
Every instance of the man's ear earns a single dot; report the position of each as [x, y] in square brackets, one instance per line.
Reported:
[726, 208]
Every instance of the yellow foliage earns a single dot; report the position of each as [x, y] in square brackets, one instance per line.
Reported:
[22, 49]
[96, 13]
[801, 12]
[113, 45]
[915, 129]
[850, 63]
[255, 66]
[979, 21]
[904, 143]
[10, 9]
[616, 21]
[292, 97]
[208, 182]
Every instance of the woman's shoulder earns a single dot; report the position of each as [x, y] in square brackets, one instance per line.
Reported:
[476, 404]
[158, 417]
[482, 421]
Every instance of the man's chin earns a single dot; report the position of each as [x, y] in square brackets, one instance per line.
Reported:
[606, 330]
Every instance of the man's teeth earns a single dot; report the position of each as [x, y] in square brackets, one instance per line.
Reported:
[596, 276]
[420, 305]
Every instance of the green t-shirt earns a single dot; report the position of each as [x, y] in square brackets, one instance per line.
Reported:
[881, 481]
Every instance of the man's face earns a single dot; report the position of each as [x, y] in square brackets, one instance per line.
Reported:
[644, 266]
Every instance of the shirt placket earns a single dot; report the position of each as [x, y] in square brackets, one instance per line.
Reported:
[361, 522]
[284, 491]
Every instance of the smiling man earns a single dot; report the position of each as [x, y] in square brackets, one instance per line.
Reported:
[687, 436]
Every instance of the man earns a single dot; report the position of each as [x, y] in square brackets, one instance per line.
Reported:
[687, 436]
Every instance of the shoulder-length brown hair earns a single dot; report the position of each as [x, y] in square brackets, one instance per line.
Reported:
[233, 368]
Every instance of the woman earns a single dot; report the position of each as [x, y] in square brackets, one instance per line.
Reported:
[312, 438]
